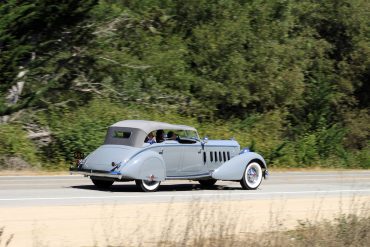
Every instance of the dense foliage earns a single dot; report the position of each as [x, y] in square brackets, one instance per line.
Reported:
[288, 78]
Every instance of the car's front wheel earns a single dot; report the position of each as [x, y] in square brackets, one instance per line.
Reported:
[208, 182]
[252, 177]
[102, 184]
[147, 186]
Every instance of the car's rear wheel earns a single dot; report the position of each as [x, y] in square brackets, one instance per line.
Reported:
[102, 184]
[147, 186]
[252, 177]
[208, 182]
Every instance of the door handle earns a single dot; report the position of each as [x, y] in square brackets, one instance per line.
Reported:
[161, 151]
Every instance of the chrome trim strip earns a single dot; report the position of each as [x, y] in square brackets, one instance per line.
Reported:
[204, 175]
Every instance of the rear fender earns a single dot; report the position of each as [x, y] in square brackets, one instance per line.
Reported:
[147, 165]
[234, 168]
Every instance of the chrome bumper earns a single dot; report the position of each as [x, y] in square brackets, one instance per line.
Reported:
[94, 173]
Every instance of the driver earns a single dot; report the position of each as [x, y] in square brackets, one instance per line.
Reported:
[172, 136]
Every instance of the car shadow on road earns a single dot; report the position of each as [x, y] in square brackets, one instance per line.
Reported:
[162, 187]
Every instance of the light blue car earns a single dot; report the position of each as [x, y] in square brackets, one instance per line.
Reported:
[130, 152]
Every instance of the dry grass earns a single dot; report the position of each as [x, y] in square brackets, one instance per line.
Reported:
[346, 230]
[7, 240]
[203, 228]
[215, 224]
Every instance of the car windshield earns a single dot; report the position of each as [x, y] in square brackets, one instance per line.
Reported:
[187, 134]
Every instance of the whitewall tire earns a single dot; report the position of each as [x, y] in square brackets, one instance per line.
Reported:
[252, 176]
[147, 186]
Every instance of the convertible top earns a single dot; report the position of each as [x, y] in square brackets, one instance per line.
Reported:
[137, 131]
[149, 126]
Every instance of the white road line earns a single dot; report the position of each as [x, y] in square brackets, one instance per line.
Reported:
[188, 195]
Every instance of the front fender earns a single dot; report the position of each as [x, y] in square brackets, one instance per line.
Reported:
[234, 168]
[147, 165]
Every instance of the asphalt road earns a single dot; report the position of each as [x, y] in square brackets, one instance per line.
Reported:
[70, 211]
[78, 190]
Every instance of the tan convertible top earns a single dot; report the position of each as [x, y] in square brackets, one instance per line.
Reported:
[138, 130]
[149, 126]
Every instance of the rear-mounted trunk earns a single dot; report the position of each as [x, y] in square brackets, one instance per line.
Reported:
[109, 157]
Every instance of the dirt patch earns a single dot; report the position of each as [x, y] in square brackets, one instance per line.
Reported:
[14, 163]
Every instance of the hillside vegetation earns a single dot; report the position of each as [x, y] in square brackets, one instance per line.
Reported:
[288, 78]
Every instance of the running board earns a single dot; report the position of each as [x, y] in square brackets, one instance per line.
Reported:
[189, 177]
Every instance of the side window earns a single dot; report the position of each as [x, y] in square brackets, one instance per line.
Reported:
[216, 157]
[228, 155]
[211, 156]
[224, 153]
[220, 156]
[205, 157]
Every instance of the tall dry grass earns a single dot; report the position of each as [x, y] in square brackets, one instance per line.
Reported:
[7, 240]
[346, 230]
[208, 224]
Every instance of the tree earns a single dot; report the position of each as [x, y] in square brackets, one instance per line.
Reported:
[42, 44]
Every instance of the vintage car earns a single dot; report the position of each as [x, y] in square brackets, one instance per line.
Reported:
[131, 153]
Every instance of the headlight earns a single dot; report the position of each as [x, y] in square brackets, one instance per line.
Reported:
[245, 150]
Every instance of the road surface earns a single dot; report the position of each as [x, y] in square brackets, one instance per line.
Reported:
[70, 211]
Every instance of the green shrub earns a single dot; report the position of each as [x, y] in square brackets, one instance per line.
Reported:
[84, 129]
[14, 143]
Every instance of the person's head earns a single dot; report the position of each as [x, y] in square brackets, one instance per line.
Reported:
[151, 135]
[171, 135]
[159, 135]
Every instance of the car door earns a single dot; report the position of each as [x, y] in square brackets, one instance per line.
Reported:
[193, 162]
[172, 155]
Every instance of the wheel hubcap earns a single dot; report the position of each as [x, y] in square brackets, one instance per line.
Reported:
[252, 175]
[150, 185]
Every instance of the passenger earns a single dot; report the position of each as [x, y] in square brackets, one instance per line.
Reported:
[172, 136]
[159, 136]
[150, 138]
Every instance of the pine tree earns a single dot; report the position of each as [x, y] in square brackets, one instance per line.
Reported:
[41, 45]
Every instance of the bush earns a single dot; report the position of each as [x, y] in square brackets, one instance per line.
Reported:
[16, 148]
[84, 129]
